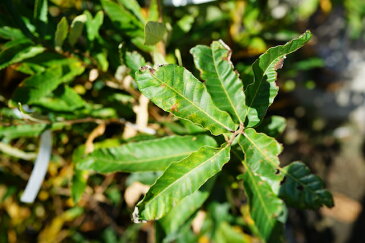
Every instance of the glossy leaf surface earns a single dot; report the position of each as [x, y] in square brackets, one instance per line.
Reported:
[261, 153]
[180, 180]
[176, 90]
[223, 83]
[150, 155]
[260, 86]
[302, 189]
[267, 210]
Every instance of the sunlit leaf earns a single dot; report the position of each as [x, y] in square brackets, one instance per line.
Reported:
[260, 86]
[41, 10]
[180, 180]
[61, 33]
[261, 155]
[222, 81]
[93, 24]
[150, 155]
[176, 90]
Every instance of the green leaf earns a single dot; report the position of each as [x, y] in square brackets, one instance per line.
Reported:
[272, 126]
[41, 10]
[26, 130]
[150, 155]
[126, 22]
[93, 24]
[39, 85]
[63, 98]
[260, 86]
[302, 189]
[299, 188]
[123, 18]
[228, 234]
[18, 51]
[133, 6]
[267, 210]
[9, 33]
[180, 180]
[154, 32]
[261, 153]
[134, 61]
[174, 219]
[61, 33]
[223, 83]
[77, 26]
[176, 90]
[153, 12]
[79, 184]
[183, 211]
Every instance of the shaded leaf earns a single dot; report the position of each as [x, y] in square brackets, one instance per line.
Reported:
[150, 155]
[180, 180]
[266, 209]
[272, 126]
[134, 61]
[154, 32]
[174, 219]
[61, 33]
[63, 98]
[76, 28]
[176, 90]
[302, 189]
[10, 33]
[260, 86]
[18, 51]
[223, 83]
[261, 154]
[41, 84]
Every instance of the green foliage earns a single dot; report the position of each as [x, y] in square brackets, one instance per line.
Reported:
[154, 32]
[88, 71]
[175, 89]
[179, 180]
[260, 86]
[150, 155]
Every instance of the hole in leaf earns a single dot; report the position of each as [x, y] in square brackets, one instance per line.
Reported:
[283, 181]
[277, 172]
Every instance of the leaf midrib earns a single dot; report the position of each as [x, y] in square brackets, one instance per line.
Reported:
[225, 91]
[183, 176]
[138, 161]
[260, 83]
[268, 214]
[182, 96]
[278, 167]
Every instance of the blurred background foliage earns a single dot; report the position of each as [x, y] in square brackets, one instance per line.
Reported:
[85, 53]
